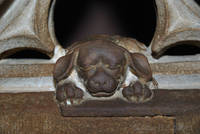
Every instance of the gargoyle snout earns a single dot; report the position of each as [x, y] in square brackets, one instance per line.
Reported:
[101, 82]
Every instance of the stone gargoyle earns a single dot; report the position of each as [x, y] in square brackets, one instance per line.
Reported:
[101, 68]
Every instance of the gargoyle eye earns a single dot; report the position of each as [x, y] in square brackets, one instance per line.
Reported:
[113, 66]
[87, 68]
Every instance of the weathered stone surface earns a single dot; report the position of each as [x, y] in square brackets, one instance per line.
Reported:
[46, 68]
[176, 68]
[48, 123]
[38, 113]
[188, 123]
[164, 103]
[180, 75]
[24, 24]
[26, 70]
[178, 22]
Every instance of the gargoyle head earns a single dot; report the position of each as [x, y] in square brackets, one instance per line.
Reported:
[102, 66]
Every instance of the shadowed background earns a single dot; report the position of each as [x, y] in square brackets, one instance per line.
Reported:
[76, 20]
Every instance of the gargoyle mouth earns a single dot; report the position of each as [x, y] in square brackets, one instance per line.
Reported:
[102, 94]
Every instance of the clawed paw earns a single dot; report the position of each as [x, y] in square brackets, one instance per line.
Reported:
[69, 94]
[137, 93]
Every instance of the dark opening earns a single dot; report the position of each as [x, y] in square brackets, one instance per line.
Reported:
[75, 20]
[26, 54]
[183, 49]
[4, 6]
[198, 2]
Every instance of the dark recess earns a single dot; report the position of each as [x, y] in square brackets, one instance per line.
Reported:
[183, 49]
[4, 6]
[198, 2]
[75, 20]
[28, 54]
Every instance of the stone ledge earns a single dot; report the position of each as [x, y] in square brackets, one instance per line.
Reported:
[36, 113]
[34, 69]
[165, 102]
[49, 123]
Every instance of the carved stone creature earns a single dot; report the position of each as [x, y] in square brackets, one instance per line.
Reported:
[99, 68]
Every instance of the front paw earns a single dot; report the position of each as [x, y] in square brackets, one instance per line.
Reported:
[137, 92]
[69, 94]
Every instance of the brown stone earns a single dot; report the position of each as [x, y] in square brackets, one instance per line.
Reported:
[46, 123]
[38, 113]
[188, 123]
[165, 102]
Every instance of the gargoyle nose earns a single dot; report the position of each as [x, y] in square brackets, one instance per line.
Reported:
[102, 82]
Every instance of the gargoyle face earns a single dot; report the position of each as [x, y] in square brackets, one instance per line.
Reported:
[102, 67]
[101, 64]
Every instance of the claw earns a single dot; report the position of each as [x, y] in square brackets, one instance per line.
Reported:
[68, 94]
[155, 83]
[70, 102]
[137, 93]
